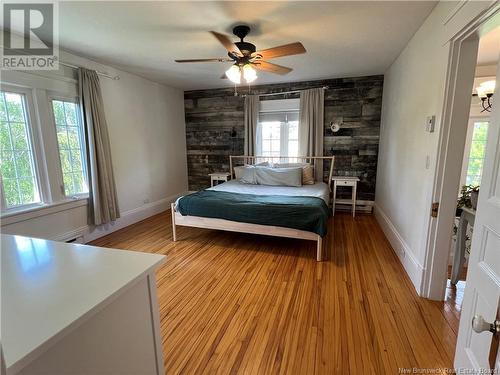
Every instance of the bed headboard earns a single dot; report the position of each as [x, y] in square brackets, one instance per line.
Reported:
[314, 160]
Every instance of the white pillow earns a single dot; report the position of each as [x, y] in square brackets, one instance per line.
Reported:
[279, 176]
[289, 165]
[245, 174]
[307, 171]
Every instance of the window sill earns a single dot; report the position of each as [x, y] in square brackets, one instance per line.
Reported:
[23, 214]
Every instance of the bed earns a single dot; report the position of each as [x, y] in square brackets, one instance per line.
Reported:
[284, 211]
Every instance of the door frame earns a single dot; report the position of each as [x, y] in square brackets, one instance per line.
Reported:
[459, 81]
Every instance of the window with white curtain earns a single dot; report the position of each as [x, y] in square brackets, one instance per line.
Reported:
[278, 128]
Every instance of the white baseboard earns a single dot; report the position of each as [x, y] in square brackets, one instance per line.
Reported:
[406, 256]
[130, 217]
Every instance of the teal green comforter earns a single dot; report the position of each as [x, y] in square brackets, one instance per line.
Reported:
[304, 213]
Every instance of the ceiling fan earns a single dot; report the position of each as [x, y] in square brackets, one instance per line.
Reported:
[246, 58]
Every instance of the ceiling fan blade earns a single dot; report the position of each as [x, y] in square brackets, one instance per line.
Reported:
[272, 68]
[217, 59]
[227, 43]
[284, 50]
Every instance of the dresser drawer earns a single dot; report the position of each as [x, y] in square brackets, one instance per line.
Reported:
[345, 183]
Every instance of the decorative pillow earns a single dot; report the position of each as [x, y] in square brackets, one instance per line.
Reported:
[279, 176]
[307, 175]
[263, 164]
[307, 171]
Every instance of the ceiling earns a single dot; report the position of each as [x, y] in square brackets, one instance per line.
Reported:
[489, 48]
[342, 38]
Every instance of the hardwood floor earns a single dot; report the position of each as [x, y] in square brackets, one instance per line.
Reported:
[236, 303]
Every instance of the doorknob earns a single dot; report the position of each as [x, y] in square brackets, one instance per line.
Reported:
[480, 325]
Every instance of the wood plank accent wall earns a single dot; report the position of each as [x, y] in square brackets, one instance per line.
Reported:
[214, 127]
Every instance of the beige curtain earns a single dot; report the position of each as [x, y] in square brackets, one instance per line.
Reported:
[311, 126]
[103, 202]
[251, 121]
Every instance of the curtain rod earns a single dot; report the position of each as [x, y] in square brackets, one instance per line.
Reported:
[283, 92]
[104, 74]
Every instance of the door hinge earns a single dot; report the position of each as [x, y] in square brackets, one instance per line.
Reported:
[434, 209]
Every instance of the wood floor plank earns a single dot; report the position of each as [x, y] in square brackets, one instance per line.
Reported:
[234, 303]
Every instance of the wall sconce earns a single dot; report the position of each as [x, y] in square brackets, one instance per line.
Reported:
[485, 92]
[336, 124]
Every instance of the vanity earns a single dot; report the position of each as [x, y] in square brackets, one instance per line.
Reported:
[78, 309]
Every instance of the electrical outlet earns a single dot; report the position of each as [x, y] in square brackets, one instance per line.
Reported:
[430, 123]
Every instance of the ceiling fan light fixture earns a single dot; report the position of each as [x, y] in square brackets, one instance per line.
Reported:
[234, 74]
[249, 73]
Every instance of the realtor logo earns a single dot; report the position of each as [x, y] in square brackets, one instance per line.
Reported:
[29, 36]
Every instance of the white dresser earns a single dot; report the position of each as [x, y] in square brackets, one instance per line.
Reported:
[77, 309]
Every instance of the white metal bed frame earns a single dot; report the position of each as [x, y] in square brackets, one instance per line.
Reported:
[268, 230]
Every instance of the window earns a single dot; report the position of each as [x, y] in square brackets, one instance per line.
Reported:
[476, 155]
[71, 147]
[19, 182]
[40, 126]
[278, 128]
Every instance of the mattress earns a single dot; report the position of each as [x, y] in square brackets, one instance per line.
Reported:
[298, 212]
[318, 190]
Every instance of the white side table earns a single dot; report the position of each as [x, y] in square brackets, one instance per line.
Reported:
[345, 181]
[218, 177]
[468, 216]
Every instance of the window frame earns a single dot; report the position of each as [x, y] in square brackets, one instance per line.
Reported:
[33, 136]
[51, 96]
[468, 145]
[280, 106]
[470, 142]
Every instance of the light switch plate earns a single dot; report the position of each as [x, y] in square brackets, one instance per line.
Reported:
[430, 123]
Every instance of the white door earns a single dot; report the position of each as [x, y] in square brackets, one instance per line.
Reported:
[482, 290]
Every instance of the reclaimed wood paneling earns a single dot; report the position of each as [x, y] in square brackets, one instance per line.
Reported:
[214, 128]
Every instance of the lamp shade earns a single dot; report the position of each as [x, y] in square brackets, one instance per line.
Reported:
[249, 73]
[488, 87]
[234, 74]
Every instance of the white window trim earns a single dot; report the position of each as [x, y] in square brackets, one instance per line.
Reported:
[280, 105]
[55, 96]
[33, 134]
[43, 135]
[468, 145]
[41, 209]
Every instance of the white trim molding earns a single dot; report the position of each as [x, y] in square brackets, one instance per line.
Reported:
[411, 265]
[130, 217]
[16, 216]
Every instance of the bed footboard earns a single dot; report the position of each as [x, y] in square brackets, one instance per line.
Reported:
[234, 226]
[174, 232]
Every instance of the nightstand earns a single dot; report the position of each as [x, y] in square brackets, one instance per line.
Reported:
[218, 177]
[345, 181]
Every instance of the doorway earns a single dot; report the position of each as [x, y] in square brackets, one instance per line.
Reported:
[459, 164]
[472, 165]
[470, 64]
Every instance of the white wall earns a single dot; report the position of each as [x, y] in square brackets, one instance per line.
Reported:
[148, 146]
[413, 90]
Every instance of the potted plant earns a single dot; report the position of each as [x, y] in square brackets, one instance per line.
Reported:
[467, 198]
